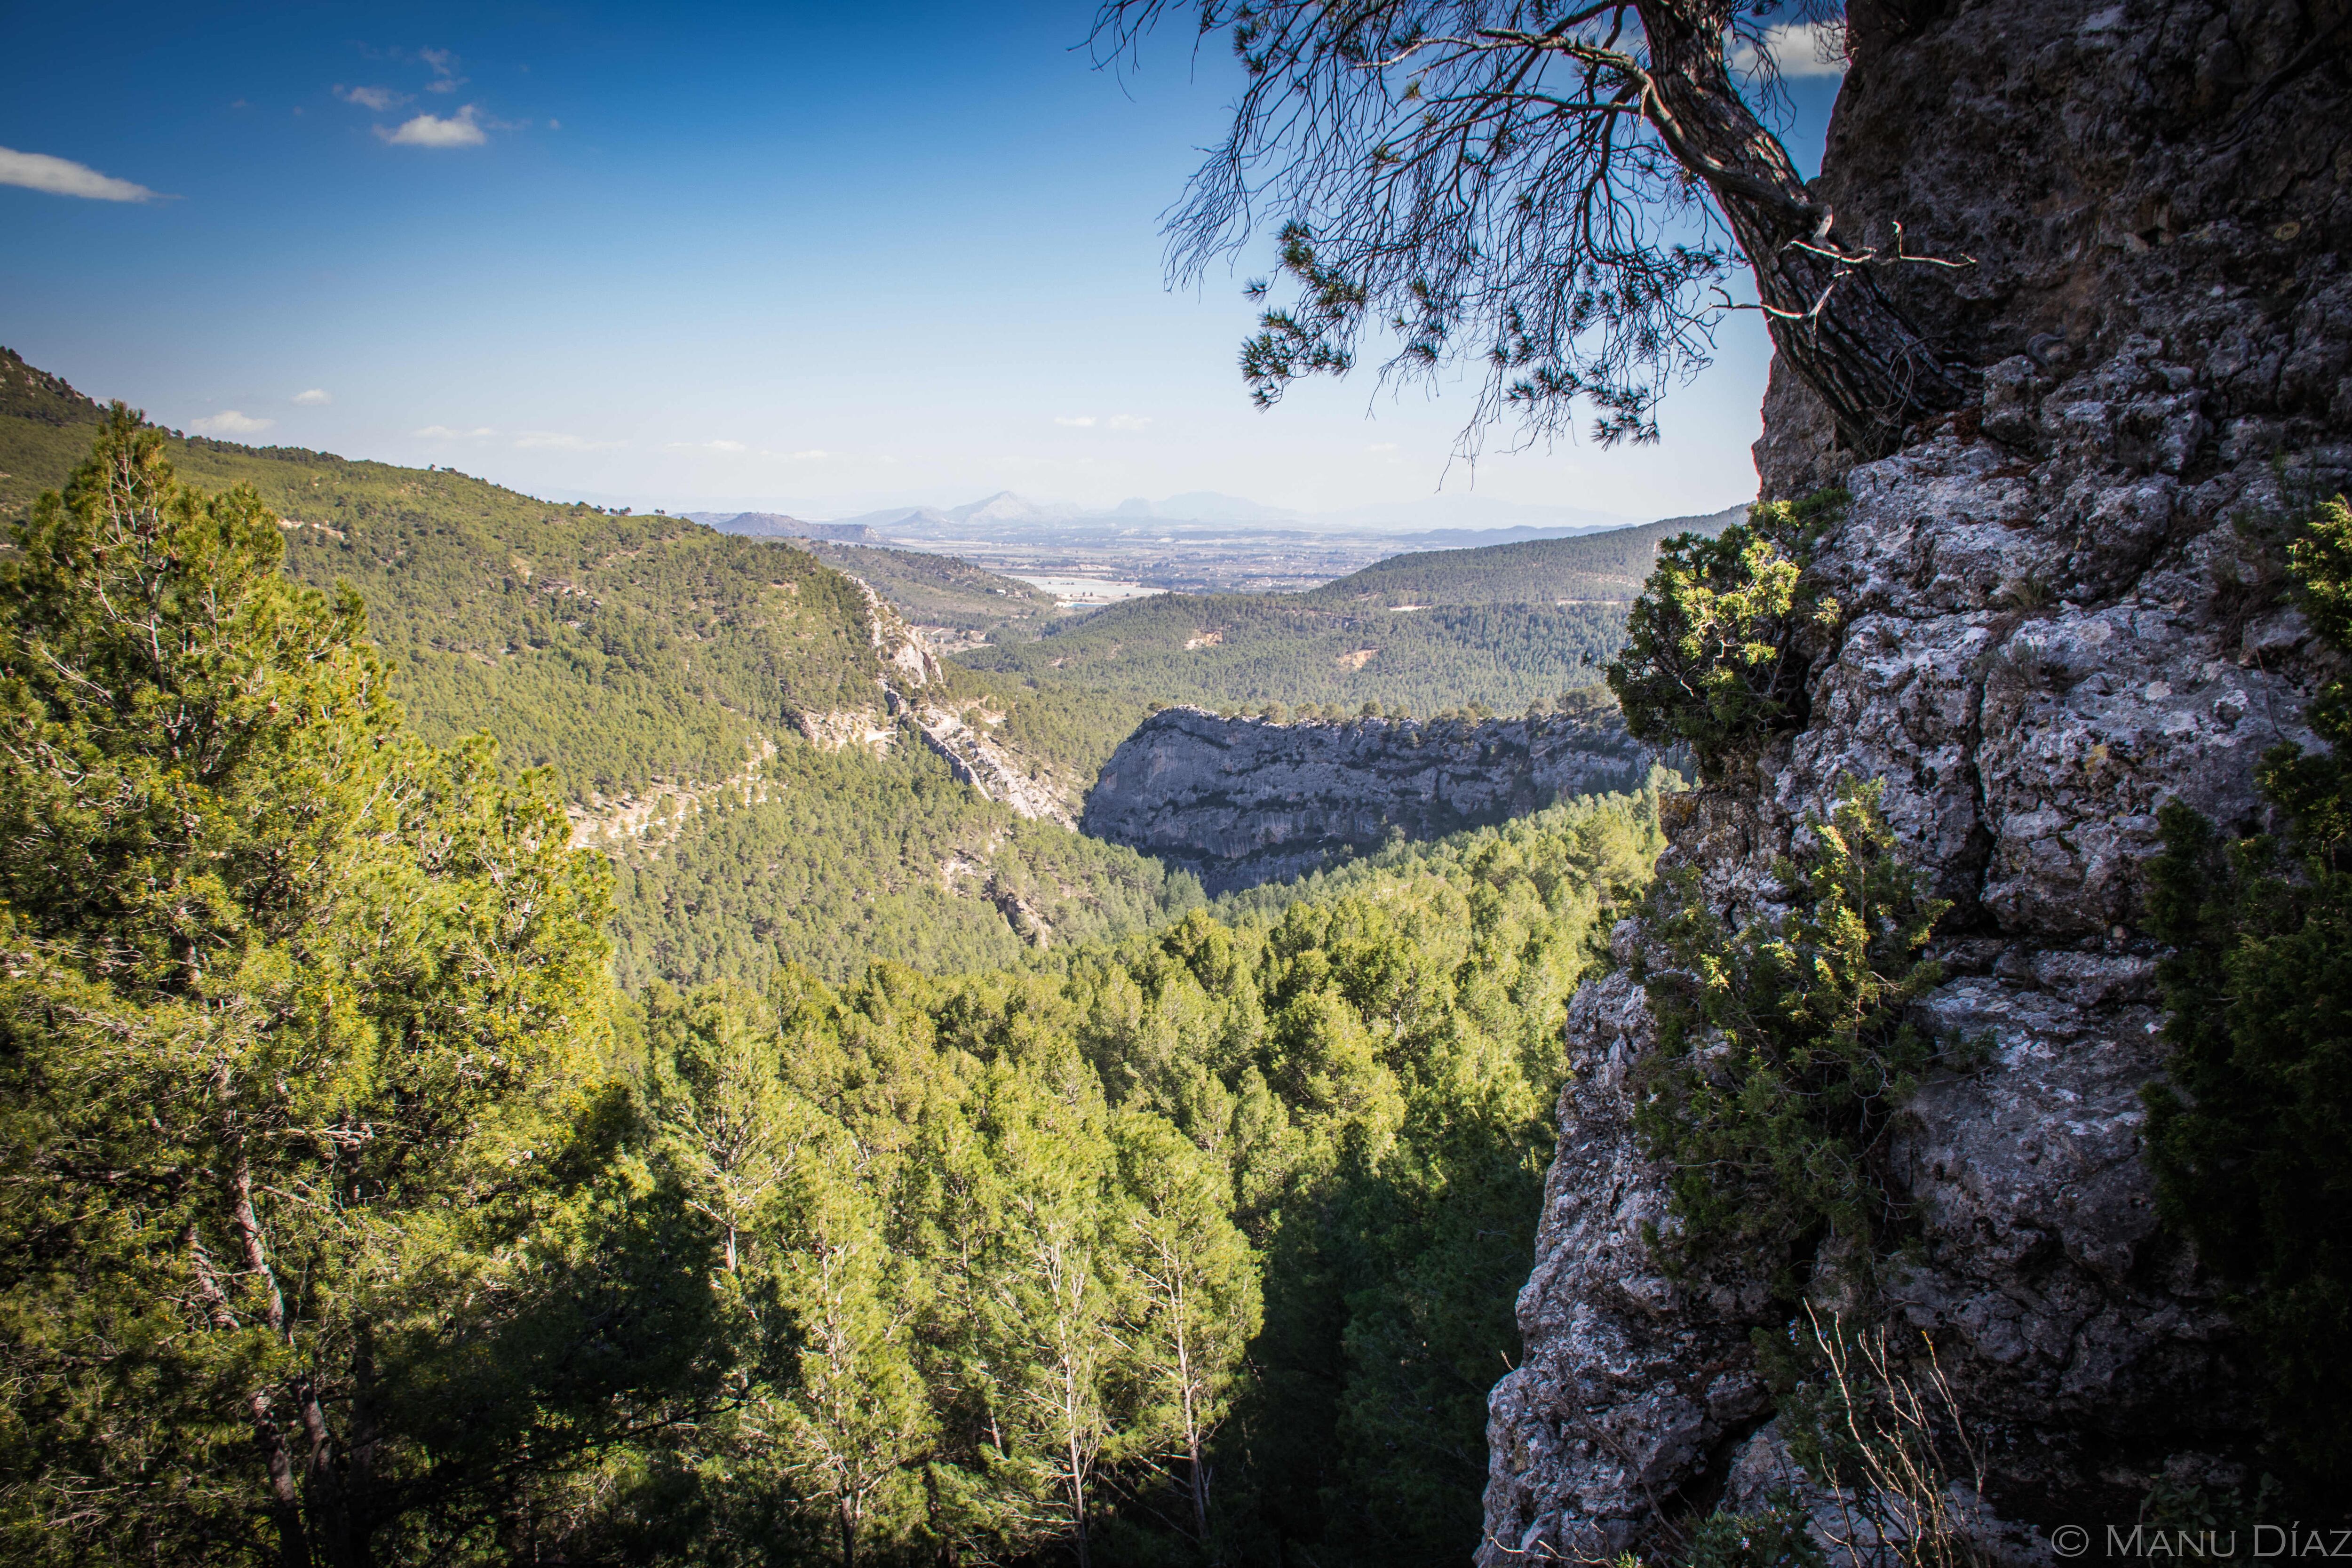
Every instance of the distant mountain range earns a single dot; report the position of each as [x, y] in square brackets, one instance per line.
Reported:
[1007, 513]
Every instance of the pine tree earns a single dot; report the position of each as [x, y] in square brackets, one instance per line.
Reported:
[1191, 1282]
[300, 1025]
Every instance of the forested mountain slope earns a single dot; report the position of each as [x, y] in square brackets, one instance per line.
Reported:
[1588, 568]
[620, 650]
[1220, 650]
[685, 686]
[942, 592]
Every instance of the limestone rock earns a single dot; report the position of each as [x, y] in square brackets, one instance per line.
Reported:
[2062, 612]
[992, 768]
[1242, 801]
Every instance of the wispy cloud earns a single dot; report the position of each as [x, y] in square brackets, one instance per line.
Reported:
[317, 398]
[445, 70]
[378, 99]
[1116, 422]
[814, 454]
[705, 447]
[1798, 50]
[229, 421]
[64, 177]
[443, 433]
[460, 129]
[557, 441]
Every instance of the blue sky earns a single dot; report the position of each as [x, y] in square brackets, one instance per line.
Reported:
[812, 259]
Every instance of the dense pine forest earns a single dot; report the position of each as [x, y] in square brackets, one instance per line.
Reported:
[362, 1216]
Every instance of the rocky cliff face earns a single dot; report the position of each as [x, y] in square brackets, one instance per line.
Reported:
[1237, 801]
[2062, 611]
[909, 684]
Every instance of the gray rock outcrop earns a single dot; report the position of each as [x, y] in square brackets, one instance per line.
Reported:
[991, 769]
[910, 675]
[2062, 611]
[1238, 802]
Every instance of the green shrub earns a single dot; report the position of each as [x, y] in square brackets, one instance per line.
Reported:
[2251, 1135]
[1784, 1054]
[1776, 1538]
[1719, 644]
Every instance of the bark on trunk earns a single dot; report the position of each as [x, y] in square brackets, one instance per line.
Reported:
[1834, 324]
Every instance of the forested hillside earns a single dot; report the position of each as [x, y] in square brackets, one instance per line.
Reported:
[1222, 650]
[851, 859]
[1199, 1247]
[619, 649]
[943, 591]
[651, 662]
[628, 652]
[1587, 569]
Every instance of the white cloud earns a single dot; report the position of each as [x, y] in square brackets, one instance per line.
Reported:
[64, 177]
[1079, 421]
[376, 97]
[431, 131]
[1129, 421]
[557, 441]
[814, 454]
[317, 398]
[229, 421]
[443, 433]
[1799, 49]
[708, 447]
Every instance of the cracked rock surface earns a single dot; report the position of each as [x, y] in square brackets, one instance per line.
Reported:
[2063, 610]
[1238, 802]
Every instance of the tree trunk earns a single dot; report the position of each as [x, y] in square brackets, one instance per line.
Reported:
[848, 1534]
[285, 1492]
[1835, 326]
[1079, 1500]
[1200, 1484]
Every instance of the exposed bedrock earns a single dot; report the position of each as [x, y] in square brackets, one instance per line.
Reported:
[1238, 802]
[2058, 617]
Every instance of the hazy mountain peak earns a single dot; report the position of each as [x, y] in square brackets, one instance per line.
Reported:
[1005, 506]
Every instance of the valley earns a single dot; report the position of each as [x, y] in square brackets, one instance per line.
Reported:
[1199, 543]
[832, 751]
[822, 859]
